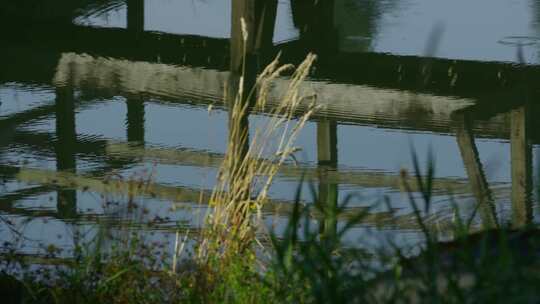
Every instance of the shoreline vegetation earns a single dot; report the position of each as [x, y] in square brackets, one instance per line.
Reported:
[236, 258]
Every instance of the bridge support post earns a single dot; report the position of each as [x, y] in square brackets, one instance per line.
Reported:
[316, 22]
[475, 172]
[327, 159]
[327, 143]
[252, 29]
[65, 148]
[521, 162]
[258, 23]
[135, 15]
[135, 121]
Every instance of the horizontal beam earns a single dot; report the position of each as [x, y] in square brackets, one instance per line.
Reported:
[357, 103]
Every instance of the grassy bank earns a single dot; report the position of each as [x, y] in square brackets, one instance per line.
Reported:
[305, 266]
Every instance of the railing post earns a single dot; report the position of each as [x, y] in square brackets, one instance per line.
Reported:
[65, 148]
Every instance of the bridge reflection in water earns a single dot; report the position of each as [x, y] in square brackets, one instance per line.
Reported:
[86, 65]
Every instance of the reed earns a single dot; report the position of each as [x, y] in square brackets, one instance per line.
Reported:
[244, 180]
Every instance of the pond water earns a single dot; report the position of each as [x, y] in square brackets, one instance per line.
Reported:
[115, 95]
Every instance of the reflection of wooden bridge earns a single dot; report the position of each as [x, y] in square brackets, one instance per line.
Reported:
[362, 81]
[182, 196]
[356, 103]
[374, 89]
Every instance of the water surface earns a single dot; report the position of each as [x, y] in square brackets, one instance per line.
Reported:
[103, 99]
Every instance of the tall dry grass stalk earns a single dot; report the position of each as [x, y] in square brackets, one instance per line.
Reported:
[244, 178]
